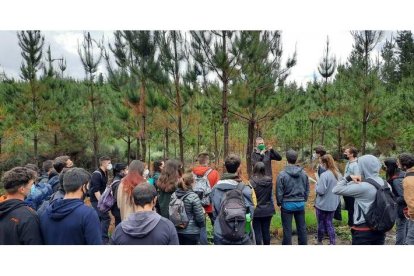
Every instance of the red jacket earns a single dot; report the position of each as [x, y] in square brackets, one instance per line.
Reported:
[213, 178]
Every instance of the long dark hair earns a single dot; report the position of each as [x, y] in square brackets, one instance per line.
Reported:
[259, 170]
[391, 167]
[173, 169]
[329, 163]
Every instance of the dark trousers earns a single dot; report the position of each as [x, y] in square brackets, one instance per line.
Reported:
[261, 227]
[349, 206]
[367, 238]
[325, 225]
[203, 230]
[287, 217]
[105, 220]
[188, 239]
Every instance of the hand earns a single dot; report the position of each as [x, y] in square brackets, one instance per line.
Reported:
[356, 178]
[263, 152]
[269, 147]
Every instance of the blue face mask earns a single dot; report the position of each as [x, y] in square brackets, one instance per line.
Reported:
[32, 189]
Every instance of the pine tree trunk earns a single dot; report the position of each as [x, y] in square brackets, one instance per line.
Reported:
[216, 153]
[339, 142]
[166, 149]
[94, 130]
[198, 139]
[250, 137]
[224, 103]
[312, 139]
[129, 148]
[143, 120]
[1, 141]
[138, 150]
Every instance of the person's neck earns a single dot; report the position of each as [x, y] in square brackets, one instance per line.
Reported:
[75, 195]
[102, 168]
[15, 196]
[352, 159]
[146, 208]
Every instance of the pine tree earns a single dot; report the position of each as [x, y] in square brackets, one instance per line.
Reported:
[405, 51]
[31, 44]
[389, 73]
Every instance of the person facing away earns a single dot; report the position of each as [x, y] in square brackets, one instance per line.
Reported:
[19, 224]
[265, 209]
[326, 201]
[145, 226]
[204, 170]
[265, 155]
[364, 195]
[190, 235]
[407, 163]
[120, 170]
[125, 201]
[59, 164]
[292, 191]
[40, 190]
[230, 180]
[157, 168]
[167, 183]
[99, 180]
[68, 221]
[351, 168]
[395, 176]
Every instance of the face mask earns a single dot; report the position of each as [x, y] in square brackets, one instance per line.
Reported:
[314, 156]
[146, 173]
[346, 157]
[109, 167]
[261, 147]
[33, 189]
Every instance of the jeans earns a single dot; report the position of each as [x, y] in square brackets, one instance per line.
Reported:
[410, 232]
[367, 237]
[325, 225]
[300, 226]
[105, 220]
[401, 234]
[203, 231]
[188, 239]
[261, 227]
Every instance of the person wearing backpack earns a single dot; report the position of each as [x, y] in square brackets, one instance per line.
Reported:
[395, 177]
[292, 191]
[326, 201]
[167, 183]
[19, 224]
[262, 186]
[69, 221]
[125, 201]
[362, 189]
[99, 180]
[186, 211]
[232, 202]
[40, 190]
[145, 226]
[406, 161]
[203, 172]
[351, 168]
[120, 170]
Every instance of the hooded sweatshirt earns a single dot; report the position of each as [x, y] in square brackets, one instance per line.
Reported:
[70, 222]
[326, 200]
[145, 228]
[292, 185]
[19, 224]
[263, 189]
[213, 177]
[363, 192]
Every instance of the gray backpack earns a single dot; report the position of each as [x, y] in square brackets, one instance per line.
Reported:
[177, 213]
[202, 187]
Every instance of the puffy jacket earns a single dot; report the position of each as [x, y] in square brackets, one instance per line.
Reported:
[194, 211]
[292, 185]
[40, 191]
[263, 189]
[19, 224]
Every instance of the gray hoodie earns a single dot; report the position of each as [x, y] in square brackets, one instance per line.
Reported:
[326, 200]
[363, 192]
[292, 184]
[145, 228]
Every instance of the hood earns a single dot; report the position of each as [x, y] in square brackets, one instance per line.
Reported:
[9, 205]
[200, 170]
[369, 166]
[233, 176]
[227, 184]
[60, 208]
[180, 193]
[264, 181]
[140, 224]
[293, 171]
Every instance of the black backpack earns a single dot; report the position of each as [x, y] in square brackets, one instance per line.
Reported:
[383, 211]
[232, 215]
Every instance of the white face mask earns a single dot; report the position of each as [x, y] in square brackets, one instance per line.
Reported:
[109, 167]
[146, 173]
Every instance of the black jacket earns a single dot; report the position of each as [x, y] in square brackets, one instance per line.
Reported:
[292, 185]
[263, 189]
[99, 180]
[145, 228]
[398, 191]
[194, 211]
[19, 224]
[266, 158]
[115, 210]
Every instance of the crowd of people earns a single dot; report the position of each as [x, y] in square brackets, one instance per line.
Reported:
[171, 205]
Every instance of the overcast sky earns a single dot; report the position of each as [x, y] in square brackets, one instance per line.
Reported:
[309, 46]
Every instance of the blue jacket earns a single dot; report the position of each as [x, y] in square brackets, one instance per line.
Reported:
[40, 192]
[70, 222]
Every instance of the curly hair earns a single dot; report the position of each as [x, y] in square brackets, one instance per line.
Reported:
[17, 177]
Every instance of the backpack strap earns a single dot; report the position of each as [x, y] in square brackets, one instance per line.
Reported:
[207, 172]
[240, 186]
[373, 183]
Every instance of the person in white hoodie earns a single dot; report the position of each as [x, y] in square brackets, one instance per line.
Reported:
[364, 195]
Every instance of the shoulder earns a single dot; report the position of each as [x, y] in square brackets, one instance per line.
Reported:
[164, 222]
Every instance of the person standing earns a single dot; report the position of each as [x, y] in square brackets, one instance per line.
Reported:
[407, 163]
[120, 170]
[98, 184]
[351, 168]
[326, 201]
[292, 191]
[264, 154]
